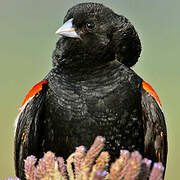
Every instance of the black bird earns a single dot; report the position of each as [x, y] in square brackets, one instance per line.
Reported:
[90, 91]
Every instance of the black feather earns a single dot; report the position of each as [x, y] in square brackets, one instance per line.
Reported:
[28, 136]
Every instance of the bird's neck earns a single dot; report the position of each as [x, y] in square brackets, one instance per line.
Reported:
[72, 54]
[84, 73]
[78, 65]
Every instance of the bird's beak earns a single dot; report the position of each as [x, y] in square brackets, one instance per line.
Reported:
[68, 30]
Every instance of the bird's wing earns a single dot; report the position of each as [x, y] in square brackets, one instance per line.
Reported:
[155, 133]
[28, 130]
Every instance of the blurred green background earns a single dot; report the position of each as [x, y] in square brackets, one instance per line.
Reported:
[27, 39]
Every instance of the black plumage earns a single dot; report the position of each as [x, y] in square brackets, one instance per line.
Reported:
[92, 91]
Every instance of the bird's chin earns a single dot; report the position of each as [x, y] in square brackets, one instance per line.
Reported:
[76, 40]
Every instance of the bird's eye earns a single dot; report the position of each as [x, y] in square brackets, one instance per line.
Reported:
[90, 25]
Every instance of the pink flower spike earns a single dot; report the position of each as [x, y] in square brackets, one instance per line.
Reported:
[157, 172]
[30, 167]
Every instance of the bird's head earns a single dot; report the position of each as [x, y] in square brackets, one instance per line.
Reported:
[94, 34]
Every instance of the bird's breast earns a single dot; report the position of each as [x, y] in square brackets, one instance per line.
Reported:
[75, 113]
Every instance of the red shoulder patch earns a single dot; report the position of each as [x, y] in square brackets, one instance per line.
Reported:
[34, 91]
[151, 91]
